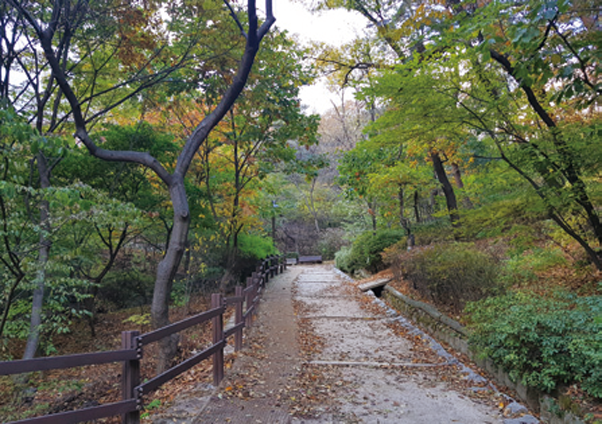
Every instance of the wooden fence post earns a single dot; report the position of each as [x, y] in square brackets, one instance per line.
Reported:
[218, 336]
[238, 319]
[249, 301]
[265, 271]
[130, 376]
[274, 265]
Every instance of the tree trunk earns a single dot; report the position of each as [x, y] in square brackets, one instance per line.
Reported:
[467, 203]
[8, 301]
[448, 190]
[90, 303]
[167, 268]
[432, 205]
[568, 162]
[403, 221]
[416, 207]
[313, 210]
[33, 338]
[401, 207]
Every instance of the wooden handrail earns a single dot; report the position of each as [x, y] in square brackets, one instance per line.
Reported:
[87, 414]
[157, 381]
[176, 327]
[65, 361]
[131, 352]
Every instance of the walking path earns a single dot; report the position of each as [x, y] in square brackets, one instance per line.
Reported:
[322, 352]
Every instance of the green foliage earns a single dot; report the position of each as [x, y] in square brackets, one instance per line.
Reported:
[11, 413]
[542, 341]
[503, 212]
[342, 259]
[365, 252]
[138, 319]
[435, 231]
[256, 246]
[522, 268]
[451, 274]
[154, 404]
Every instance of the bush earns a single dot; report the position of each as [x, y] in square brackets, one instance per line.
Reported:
[524, 267]
[543, 342]
[366, 251]
[431, 232]
[255, 246]
[342, 259]
[451, 274]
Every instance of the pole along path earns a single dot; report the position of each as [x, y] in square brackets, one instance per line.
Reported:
[323, 352]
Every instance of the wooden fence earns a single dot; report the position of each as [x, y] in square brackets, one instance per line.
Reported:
[132, 346]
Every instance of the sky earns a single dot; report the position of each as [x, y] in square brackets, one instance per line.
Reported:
[335, 27]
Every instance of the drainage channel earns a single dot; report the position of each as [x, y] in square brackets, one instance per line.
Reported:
[376, 364]
[347, 318]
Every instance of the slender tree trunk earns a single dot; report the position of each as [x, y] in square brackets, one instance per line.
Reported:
[448, 190]
[8, 301]
[467, 203]
[33, 338]
[416, 206]
[401, 207]
[167, 269]
[312, 204]
[553, 215]
[168, 266]
[403, 221]
[90, 303]
[568, 162]
[432, 205]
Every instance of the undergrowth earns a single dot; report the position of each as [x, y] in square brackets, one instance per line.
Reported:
[365, 252]
[542, 341]
[448, 274]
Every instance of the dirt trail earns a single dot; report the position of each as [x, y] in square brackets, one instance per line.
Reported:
[355, 364]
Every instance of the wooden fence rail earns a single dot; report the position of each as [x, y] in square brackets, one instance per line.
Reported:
[131, 352]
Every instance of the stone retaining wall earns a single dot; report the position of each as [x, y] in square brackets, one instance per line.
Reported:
[447, 330]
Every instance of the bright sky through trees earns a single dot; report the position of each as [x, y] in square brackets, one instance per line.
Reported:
[334, 27]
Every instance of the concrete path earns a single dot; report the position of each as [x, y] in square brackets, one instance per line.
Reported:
[323, 352]
[388, 378]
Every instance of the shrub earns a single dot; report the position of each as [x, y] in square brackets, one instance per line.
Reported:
[451, 274]
[542, 342]
[255, 246]
[366, 251]
[342, 259]
[431, 232]
[524, 267]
